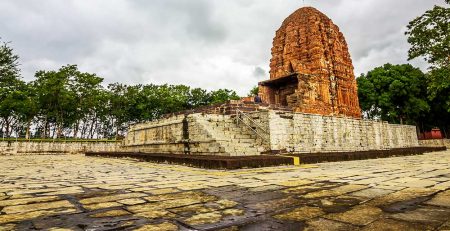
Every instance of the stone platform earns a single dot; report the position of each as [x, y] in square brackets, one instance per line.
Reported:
[74, 192]
[265, 131]
[237, 162]
[203, 161]
[35, 147]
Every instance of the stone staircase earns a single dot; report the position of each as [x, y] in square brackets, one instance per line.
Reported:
[234, 139]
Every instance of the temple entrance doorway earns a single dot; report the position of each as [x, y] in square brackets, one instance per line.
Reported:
[281, 90]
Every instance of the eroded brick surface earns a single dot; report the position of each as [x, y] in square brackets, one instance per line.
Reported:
[310, 45]
[89, 193]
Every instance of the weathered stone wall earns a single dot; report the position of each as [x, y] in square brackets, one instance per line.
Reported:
[233, 137]
[169, 135]
[298, 132]
[160, 136]
[163, 136]
[435, 143]
[210, 134]
[25, 148]
[199, 134]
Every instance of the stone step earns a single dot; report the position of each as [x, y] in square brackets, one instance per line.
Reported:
[242, 136]
[232, 138]
[234, 135]
[246, 140]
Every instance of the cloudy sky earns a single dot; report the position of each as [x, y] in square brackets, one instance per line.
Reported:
[202, 43]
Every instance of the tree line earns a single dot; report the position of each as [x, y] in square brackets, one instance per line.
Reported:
[70, 103]
[404, 94]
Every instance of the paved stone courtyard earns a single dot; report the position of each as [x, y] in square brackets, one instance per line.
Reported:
[74, 192]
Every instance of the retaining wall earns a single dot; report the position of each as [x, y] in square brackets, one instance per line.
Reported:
[286, 132]
[435, 143]
[175, 135]
[166, 136]
[30, 147]
[299, 133]
[159, 136]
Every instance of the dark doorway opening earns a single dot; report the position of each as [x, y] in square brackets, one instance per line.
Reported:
[281, 89]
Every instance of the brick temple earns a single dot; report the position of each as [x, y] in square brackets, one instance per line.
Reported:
[311, 70]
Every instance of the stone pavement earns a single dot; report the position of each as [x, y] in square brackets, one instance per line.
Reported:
[74, 192]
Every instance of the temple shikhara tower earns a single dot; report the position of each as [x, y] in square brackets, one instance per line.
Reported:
[311, 70]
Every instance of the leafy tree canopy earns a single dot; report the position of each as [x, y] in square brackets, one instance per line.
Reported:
[394, 93]
[222, 95]
[438, 94]
[9, 65]
[254, 91]
[11, 88]
[429, 36]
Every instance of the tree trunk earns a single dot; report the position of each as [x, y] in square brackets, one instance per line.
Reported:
[3, 125]
[14, 127]
[7, 128]
[91, 131]
[49, 130]
[27, 133]
[44, 133]
[104, 131]
[59, 125]
[75, 129]
[95, 130]
[54, 130]
[59, 131]
[83, 130]
[117, 129]
[92, 127]
[106, 128]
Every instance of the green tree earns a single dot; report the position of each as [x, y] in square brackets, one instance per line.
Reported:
[56, 101]
[136, 103]
[222, 96]
[26, 107]
[150, 102]
[429, 36]
[104, 114]
[87, 89]
[10, 103]
[198, 97]
[395, 93]
[254, 91]
[10, 83]
[174, 98]
[439, 95]
[9, 64]
[120, 104]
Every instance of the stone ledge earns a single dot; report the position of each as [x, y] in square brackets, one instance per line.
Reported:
[203, 161]
[309, 158]
[231, 162]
